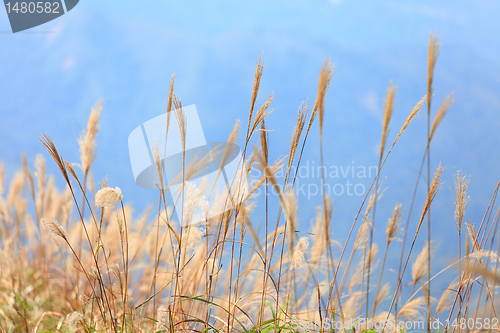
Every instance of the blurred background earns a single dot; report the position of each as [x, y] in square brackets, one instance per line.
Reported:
[126, 51]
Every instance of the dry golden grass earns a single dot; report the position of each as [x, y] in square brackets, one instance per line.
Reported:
[80, 259]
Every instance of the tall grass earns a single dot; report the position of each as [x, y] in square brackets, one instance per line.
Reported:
[78, 259]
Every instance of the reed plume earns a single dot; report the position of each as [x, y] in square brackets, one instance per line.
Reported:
[87, 140]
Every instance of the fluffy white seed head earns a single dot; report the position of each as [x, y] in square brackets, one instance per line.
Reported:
[71, 320]
[108, 197]
[299, 252]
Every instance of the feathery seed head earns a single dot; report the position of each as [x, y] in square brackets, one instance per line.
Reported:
[473, 236]
[351, 306]
[72, 320]
[389, 108]
[299, 252]
[194, 199]
[324, 79]
[258, 75]
[297, 132]
[15, 189]
[87, 140]
[413, 309]
[461, 198]
[446, 298]
[94, 272]
[108, 197]
[161, 317]
[393, 224]
[435, 186]
[412, 115]
[382, 295]
[362, 236]
[114, 269]
[433, 53]
[445, 105]
[51, 148]
[54, 227]
[191, 237]
[419, 267]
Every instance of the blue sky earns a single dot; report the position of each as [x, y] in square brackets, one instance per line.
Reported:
[125, 52]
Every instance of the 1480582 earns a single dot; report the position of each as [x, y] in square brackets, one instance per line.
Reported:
[32, 7]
